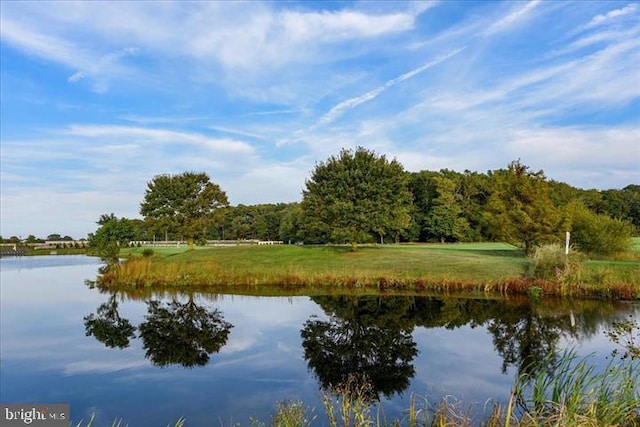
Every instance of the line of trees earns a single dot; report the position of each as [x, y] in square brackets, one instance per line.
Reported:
[31, 239]
[359, 196]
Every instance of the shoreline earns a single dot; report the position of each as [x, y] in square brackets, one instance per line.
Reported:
[487, 269]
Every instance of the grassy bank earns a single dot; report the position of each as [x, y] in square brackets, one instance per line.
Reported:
[479, 267]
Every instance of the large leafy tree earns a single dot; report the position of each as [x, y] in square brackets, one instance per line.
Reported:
[357, 196]
[445, 221]
[519, 210]
[289, 227]
[622, 204]
[184, 203]
[422, 186]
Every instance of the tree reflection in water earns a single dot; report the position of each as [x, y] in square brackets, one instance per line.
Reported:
[108, 327]
[173, 333]
[366, 339]
[182, 333]
[369, 339]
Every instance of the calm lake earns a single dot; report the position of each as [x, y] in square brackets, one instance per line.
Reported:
[220, 359]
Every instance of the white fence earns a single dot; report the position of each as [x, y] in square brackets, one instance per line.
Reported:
[178, 243]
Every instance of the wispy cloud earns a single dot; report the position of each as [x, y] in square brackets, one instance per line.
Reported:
[161, 119]
[273, 112]
[512, 18]
[229, 130]
[43, 45]
[594, 39]
[57, 47]
[613, 14]
[348, 104]
[159, 135]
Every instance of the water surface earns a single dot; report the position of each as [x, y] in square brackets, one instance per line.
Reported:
[221, 359]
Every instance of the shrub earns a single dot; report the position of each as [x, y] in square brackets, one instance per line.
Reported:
[549, 262]
[599, 234]
[147, 252]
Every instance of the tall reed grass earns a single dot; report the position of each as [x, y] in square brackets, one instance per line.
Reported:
[119, 423]
[566, 393]
[571, 392]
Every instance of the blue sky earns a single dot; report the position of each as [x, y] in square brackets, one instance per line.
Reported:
[99, 97]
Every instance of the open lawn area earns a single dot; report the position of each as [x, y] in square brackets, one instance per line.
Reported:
[465, 261]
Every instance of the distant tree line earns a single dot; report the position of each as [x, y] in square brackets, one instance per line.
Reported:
[359, 196]
[31, 239]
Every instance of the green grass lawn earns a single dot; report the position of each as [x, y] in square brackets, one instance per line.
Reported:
[458, 262]
[287, 269]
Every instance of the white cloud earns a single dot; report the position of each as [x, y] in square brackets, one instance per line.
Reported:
[231, 33]
[613, 14]
[341, 25]
[76, 77]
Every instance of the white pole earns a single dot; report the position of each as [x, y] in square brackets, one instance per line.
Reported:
[566, 243]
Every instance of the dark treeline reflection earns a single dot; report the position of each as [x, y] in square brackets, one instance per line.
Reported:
[174, 332]
[369, 338]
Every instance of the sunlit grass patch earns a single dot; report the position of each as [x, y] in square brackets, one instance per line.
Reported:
[370, 266]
